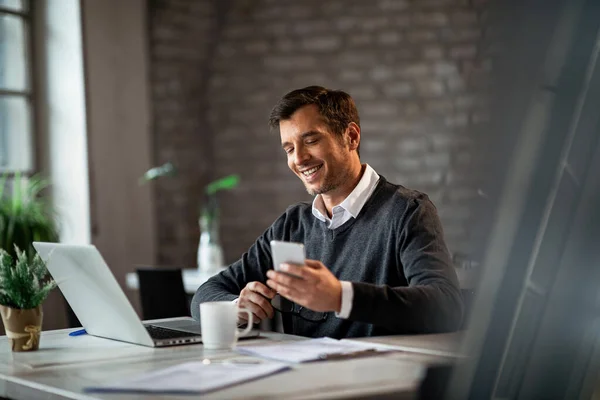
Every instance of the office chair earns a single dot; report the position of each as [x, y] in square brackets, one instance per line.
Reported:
[162, 293]
[72, 320]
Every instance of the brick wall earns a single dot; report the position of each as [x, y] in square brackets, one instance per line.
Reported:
[181, 35]
[218, 67]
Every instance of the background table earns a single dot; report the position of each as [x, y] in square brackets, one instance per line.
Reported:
[192, 279]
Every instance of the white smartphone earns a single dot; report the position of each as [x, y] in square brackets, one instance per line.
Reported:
[286, 252]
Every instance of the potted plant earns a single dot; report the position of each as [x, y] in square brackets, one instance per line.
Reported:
[210, 252]
[24, 285]
[152, 174]
[25, 215]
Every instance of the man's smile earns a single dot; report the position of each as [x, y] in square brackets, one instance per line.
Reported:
[310, 174]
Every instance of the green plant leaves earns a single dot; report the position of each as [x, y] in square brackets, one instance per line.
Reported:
[228, 182]
[24, 283]
[25, 216]
[166, 169]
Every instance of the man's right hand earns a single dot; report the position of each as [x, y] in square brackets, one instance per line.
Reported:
[256, 297]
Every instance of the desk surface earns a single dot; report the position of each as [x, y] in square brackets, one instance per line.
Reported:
[88, 360]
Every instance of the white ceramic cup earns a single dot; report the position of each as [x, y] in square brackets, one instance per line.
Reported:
[218, 321]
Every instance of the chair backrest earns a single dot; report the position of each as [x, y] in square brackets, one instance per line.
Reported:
[162, 293]
[72, 320]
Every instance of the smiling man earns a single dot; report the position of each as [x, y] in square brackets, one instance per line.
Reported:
[376, 261]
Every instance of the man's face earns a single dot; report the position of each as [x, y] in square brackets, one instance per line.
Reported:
[316, 155]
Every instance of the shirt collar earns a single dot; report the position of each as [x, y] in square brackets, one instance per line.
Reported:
[355, 200]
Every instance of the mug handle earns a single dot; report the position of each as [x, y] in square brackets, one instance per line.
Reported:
[239, 333]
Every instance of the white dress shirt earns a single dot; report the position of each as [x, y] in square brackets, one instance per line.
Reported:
[343, 212]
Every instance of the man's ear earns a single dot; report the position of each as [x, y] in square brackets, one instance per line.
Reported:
[353, 135]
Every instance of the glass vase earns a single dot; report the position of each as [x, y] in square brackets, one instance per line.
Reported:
[210, 252]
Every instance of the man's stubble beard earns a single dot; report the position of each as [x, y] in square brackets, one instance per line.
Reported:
[330, 183]
[326, 187]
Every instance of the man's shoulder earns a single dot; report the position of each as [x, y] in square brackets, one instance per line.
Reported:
[299, 209]
[295, 212]
[401, 194]
[295, 216]
[400, 203]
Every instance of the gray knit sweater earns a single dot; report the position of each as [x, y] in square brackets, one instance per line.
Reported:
[393, 253]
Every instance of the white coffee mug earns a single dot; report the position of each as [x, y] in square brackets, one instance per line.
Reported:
[218, 321]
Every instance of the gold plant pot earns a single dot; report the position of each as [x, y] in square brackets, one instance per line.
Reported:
[23, 327]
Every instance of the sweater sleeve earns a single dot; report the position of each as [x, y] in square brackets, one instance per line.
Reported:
[432, 301]
[252, 266]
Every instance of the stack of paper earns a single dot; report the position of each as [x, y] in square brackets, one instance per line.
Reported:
[311, 350]
[192, 378]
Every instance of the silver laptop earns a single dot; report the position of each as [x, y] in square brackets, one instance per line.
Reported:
[101, 306]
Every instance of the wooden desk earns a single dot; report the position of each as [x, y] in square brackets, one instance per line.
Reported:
[445, 345]
[396, 375]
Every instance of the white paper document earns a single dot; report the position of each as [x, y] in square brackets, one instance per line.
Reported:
[311, 350]
[192, 378]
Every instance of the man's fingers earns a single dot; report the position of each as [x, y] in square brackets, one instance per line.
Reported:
[284, 291]
[242, 316]
[260, 301]
[283, 279]
[289, 293]
[255, 309]
[314, 264]
[298, 271]
[262, 289]
[255, 302]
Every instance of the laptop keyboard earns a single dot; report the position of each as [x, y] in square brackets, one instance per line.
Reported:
[156, 332]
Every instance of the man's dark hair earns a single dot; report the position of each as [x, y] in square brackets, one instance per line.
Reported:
[336, 108]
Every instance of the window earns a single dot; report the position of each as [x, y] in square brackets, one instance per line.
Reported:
[16, 114]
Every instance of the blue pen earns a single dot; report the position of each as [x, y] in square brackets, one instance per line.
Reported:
[78, 333]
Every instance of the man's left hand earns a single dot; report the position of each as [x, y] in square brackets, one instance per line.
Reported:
[313, 286]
